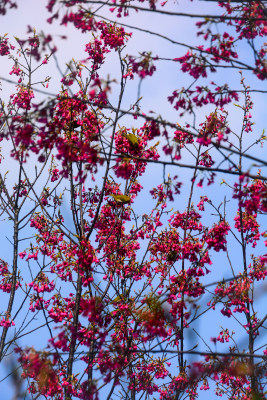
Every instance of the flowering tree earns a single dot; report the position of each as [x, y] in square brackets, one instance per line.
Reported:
[116, 291]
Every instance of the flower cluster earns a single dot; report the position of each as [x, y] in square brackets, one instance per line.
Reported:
[23, 97]
[7, 278]
[143, 66]
[252, 197]
[73, 132]
[133, 144]
[216, 236]
[215, 127]
[39, 368]
[236, 294]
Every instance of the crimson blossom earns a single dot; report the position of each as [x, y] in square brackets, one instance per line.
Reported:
[133, 197]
